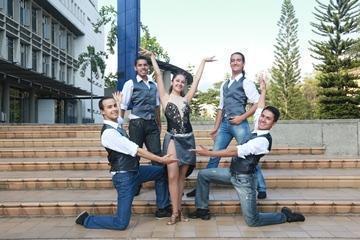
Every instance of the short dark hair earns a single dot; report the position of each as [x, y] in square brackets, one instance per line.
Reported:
[101, 105]
[274, 111]
[141, 58]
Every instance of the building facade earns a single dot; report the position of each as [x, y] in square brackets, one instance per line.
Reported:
[40, 41]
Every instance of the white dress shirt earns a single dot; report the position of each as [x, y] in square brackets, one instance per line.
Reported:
[113, 140]
[128, 90]
[249, 87]
[257, 145]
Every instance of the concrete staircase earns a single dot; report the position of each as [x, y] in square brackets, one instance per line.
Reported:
[50, 170]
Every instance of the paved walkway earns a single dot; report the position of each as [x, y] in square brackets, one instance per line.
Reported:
[145, 227]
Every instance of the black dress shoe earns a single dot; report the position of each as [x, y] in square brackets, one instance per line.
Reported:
[163, 212]
[292, 216]
[261, 195]
[80, 219]
[192, 193]
[204, 214]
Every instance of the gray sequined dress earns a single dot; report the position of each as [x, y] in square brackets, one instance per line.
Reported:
[180, 130]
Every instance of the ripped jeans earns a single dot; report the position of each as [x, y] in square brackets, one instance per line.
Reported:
[245, 186]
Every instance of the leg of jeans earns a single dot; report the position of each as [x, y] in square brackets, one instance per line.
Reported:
[125, 183]
[205, 177]
[260, 180]
[222, 140]
[137, 132]
[245, 187]
[241, 132]
[157, 173]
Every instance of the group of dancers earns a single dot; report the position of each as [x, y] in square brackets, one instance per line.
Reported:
[171, 165]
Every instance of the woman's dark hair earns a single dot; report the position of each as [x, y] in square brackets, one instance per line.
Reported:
[174, 76]
[274, 111]
[243, 58]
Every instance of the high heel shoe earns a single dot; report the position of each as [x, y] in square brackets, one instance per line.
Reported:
[173, 219]
[182, 218]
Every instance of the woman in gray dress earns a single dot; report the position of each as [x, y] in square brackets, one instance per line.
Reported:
[179, 137]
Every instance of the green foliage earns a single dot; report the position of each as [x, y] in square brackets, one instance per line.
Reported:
[94, 59]
[339, 93]
[310, 90]
[210, 97]
[284, 91]
[110, 80]
[107, 15]
[150, 43]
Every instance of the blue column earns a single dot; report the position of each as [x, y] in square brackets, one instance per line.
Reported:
[128, 34]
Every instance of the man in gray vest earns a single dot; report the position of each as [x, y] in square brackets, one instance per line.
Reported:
[231, 119]
[141, 96]
[241, 173]
[127, 175]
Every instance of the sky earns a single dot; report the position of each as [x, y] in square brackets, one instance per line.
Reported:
[190, 30]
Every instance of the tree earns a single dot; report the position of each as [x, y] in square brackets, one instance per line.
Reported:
[97, 68]
[339, 93]
[209, 97]
[284, 92]
[108, 16]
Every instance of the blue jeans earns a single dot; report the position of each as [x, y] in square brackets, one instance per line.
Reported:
[241, 132]
[126, 185]
[245, 187]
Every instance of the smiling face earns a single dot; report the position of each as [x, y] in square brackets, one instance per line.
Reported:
[178, 84]
[237, 63]
[266, 120]
[142, 68]
[110, 110]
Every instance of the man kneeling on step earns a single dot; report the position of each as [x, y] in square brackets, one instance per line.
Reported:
[127, 175]
[241, 172]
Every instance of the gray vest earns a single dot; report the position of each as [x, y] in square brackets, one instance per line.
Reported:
[143, 100]
[234, 98]
[247, 166]
[120, 161]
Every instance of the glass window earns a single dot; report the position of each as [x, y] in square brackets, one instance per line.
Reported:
[62, 72]
[10, 46]
[45, 27]
[10, 8]
[23, 55]
[46, 63]
[34, 20]
[34, 60]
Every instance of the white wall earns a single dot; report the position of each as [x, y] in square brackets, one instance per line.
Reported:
[83, 22]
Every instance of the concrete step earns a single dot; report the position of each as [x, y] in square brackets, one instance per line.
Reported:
[62, 152]
[100, 179]
[222, 201]
[49, 127]
[73, 142]
[98, 163]
[77, 133]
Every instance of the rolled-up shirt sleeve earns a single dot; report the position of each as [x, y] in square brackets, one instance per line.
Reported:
[250, 91]
[126, 94]
[113, 140]
[254, 146]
